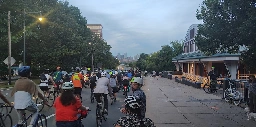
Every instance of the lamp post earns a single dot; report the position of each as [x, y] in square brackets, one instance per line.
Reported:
[24, 33]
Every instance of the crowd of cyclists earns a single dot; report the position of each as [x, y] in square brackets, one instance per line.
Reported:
[69, 101]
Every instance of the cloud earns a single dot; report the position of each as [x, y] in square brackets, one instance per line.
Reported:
[133, 27]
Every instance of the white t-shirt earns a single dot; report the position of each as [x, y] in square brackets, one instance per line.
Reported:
[45, 83]
[102, 85]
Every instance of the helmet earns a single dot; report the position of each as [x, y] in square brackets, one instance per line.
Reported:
[77, 69]
[103, 74]
[132, 102]
[137, 80]
[67, 86]
[24, 71]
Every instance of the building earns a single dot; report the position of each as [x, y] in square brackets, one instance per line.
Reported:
[194, 64]
[96, 29]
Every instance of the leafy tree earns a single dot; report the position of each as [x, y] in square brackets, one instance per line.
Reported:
[228, 26]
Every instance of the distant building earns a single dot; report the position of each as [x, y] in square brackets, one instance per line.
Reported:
[96, 29]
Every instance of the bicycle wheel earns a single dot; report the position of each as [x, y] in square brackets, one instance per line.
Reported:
[226, 95]
[237, 98]
[98, 117]
[39, 104]
[207, 88]
[7, 121]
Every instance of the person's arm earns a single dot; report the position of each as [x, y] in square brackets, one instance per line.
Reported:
[4, 99]
[117, 126]
[51, 79]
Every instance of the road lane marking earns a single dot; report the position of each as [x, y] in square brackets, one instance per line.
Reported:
[48, 117]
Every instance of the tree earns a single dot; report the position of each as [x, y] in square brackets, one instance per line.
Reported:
[228, 26]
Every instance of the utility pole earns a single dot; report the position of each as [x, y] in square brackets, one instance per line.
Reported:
[9, 44]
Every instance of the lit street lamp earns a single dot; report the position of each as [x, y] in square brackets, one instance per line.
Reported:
[24, 33]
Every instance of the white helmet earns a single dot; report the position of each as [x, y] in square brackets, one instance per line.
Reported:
[103, 74]
[67, 86]
[138, 80]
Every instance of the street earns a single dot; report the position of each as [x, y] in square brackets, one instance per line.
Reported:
[169, 104]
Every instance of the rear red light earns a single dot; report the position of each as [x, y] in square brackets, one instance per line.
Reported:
[125, 87]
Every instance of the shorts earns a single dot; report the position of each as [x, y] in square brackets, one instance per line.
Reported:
[44, 88]
[114, 89]
[78, 90]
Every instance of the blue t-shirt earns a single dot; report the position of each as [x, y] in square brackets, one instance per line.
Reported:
[129, 75]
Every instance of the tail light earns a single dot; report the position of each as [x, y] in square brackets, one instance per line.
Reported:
[125, 87]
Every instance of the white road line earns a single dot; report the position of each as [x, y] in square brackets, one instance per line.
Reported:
[48, 117]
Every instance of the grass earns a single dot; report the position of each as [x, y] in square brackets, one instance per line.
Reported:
[5, 83]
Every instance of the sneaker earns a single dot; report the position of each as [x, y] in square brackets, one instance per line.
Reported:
[106, 111]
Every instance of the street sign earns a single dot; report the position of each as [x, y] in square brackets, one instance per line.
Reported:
[12, 61]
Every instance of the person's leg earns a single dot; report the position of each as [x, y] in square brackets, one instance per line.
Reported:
[254, 103]
[97, 97]
[20, 113]
[33, 108]
[105, 101]
[251, 107]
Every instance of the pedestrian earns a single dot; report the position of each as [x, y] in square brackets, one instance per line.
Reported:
[212, 77]
[252, 94]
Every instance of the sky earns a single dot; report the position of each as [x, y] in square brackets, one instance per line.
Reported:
[140, 26]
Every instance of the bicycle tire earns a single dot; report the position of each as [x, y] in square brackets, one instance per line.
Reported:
[98, 117]
[40, 104]
[237, 98]
[50, 99]
[207, 88]
[7, 121]
[3, 110]
[226, 95]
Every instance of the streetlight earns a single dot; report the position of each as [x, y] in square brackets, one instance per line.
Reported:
[24, 33]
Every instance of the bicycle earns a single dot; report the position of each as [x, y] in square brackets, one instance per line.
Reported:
[232, 95]
[5, 118]
[50, 99]
[100, 115]
[81, 116]
[208, 88]
[113, 99]
[39, 121]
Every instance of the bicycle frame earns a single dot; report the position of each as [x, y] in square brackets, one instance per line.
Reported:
[2, 115]
[24, 122]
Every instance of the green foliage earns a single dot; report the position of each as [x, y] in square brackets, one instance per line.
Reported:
[160, 60]
[61, 39]
[228, 26]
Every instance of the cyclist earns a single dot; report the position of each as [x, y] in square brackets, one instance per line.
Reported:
[76, 79]
[213, 79]
[4, 99]
[119, 79]
[67, 106]
[44, 81]
[58, 79]
[133, 117]
[93, 80]
[139, 94]
[23, 91]
[102, 89]
[113, 84]
[125, 82]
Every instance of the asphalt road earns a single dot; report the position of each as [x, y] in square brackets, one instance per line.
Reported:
[90, 121]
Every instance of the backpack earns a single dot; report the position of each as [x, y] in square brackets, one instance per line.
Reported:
[93, 79]
[43, 77]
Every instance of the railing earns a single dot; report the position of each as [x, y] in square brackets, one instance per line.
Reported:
[244, 76]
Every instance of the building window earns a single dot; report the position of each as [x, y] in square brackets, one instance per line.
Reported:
[191, 46]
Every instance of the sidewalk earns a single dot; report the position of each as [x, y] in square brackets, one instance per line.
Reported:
[170, 104]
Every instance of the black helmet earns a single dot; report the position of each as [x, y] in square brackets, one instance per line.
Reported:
[24, 71]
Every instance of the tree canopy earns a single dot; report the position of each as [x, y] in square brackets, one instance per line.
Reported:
[160, 60]
[61, 39]
[228, 26]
